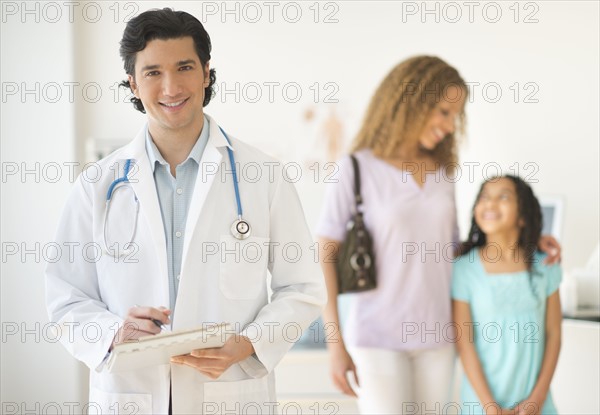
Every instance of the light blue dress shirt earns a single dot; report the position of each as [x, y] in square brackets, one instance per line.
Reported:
[174, 197]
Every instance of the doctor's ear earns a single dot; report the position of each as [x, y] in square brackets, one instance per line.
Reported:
[206, 74]
[133, 85]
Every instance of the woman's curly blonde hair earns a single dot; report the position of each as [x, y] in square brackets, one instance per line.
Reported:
[403, 103]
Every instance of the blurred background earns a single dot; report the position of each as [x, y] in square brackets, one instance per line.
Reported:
[294, 79]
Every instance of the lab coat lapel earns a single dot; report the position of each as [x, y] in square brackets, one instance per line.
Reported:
[142, 181]
[209, 168]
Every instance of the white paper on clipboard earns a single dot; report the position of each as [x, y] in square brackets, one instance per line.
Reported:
[158, 349]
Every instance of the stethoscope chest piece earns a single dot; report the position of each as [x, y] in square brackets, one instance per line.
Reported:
[240, 229]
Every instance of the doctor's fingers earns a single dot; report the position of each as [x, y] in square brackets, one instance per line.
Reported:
[128, 333]
[142, 325]
[211, 353]
[161, 314]
[209, 364]
[205, 366]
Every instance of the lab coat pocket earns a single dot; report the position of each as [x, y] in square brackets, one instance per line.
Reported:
[243, 267]
[119, 403]
[249, 396]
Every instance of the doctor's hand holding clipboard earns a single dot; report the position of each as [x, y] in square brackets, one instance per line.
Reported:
[214, 361]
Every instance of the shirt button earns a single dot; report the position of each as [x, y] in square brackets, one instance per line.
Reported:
[178, 277]
[178, 234]
[179, 190]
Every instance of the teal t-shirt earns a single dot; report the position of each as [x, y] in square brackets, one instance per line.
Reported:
[509, 314]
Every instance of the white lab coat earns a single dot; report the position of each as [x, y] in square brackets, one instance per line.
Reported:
[89, 293]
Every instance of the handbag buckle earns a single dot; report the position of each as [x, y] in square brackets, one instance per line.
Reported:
[360, 261]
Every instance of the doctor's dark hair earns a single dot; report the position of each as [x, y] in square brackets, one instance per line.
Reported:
[164, 24]
[529, 211]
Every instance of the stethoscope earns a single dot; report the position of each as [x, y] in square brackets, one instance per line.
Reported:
[120, 183]
[240, 228]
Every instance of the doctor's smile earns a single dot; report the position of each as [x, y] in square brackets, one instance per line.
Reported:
[174, 105]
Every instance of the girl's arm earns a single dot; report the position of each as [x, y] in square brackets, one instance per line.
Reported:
[468, 355]
[341, 362]
[534, 403]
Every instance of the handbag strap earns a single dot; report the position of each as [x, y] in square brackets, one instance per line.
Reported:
[357, 195]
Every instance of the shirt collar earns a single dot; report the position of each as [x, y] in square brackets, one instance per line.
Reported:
[196, 153]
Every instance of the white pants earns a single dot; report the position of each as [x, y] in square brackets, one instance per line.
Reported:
[403, 382]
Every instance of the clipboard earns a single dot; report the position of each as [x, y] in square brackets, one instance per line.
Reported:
[155, 350]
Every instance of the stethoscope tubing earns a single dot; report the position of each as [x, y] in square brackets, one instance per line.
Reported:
[125, 180]
[235, 181]
[114, 186]
[119, 180]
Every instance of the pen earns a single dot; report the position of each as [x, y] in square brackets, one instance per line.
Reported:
[158, 323]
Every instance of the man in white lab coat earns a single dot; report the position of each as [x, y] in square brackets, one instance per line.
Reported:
[163, 252]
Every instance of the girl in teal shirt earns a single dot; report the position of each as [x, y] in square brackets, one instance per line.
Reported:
[506, 305]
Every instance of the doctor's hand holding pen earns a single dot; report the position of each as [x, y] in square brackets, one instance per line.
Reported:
[141, 321]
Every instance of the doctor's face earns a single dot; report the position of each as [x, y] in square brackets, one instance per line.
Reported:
[170, 81]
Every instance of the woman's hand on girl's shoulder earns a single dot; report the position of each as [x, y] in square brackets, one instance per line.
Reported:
[550, 246]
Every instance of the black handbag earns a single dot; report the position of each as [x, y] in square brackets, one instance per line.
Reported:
[356, 263]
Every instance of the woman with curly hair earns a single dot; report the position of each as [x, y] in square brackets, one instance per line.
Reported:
[396, 341]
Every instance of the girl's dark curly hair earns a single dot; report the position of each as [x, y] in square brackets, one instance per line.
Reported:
[529, 210]
[164, 24]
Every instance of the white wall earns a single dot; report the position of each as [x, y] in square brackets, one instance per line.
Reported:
[37, 374]
[553, 142]
[559, 54]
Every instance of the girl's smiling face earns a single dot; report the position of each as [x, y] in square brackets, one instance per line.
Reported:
[497, 208]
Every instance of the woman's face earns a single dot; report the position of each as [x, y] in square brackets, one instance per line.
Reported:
[442, 120]
[497, 209]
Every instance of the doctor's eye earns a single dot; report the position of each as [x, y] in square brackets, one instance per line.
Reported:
[186, 68]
